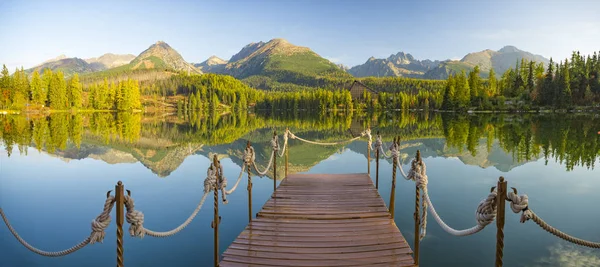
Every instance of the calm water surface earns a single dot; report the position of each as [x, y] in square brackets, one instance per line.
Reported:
[55, 171]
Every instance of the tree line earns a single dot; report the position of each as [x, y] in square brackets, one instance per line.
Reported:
[53, 91]
[566, 84]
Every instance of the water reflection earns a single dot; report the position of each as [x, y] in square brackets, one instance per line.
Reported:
[465, 154]
[162, 142]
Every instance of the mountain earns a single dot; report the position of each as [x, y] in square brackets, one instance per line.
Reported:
[278, 58]
[213, 65]
[68, 66]
[110, 60]
[400, 64]
[159, 56]
[500, 60]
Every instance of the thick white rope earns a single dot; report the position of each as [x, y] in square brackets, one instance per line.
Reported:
[285, 143]
[275, 147]
[99, 225]
[248, 159]
[484, 215]
[366, 132]
[521, 204]
[379, 146]
[136, 218]
[395, 155]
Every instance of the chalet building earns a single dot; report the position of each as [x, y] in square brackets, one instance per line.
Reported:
[357, 90]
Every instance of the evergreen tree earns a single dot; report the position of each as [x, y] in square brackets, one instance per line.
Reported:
[492, 84]
[547, 92]
[463, 92]
[38, 96]
[57, 92]
[75, 92]
[5, 88]
[565, 86]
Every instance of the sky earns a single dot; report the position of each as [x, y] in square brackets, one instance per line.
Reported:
[346, 32]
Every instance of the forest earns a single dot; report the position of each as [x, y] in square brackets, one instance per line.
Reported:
[51, 90]
[567, 84]
[571, 83]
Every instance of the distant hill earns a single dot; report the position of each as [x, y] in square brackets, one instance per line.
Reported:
[160, 56]
[500, 60]
[213, 64]
[110, 60]
[279, 57]
[68, 66]
[398, 65]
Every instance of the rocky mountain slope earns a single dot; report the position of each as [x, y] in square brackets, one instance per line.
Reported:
[68, 66]
[500, 60]
[398, 65]
[160, 55]
[110, 60]
[213, 64]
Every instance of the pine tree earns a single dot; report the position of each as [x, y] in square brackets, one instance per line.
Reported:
[463, 92]
[57, 92]
[46, 80]
[547, 92]
[493, 84]
[5, 88]
[37, 92]
[530, 78]
[75, 92]
[565, 86]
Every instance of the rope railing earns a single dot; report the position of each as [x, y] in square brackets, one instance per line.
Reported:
[99, 225]
[520, 204]
[362, 134]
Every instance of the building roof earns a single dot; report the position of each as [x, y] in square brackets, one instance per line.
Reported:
[363, 85]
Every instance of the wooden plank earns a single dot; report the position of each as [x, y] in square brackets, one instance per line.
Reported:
[321, 220]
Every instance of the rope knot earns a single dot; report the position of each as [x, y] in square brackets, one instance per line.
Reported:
[378, 142]
[418, 173]
[100, 223]
[486, 210]
[275, 143]
[249, 156]
[520, 204]
[135, 218]
[367, 132]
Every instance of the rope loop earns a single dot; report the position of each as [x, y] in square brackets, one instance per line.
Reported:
[249, 156]
[275, 143]
[486, 210]
[418, 173]
[100, 223]
[135, 218]
[367, 132]
[378, 142]
[519, 204]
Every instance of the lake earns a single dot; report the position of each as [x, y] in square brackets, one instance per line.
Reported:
[55, 172]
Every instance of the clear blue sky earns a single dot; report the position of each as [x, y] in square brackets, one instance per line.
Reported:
[346, 32]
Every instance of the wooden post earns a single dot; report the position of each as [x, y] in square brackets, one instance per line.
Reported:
[216, 218]
[274, 165]
[249, 188]
[377, 165]
[417, 243]
[120, 203]
[287, 150]
[393, 194]
[501, 205]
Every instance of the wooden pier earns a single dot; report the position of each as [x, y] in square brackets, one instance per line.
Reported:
[321, 220]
